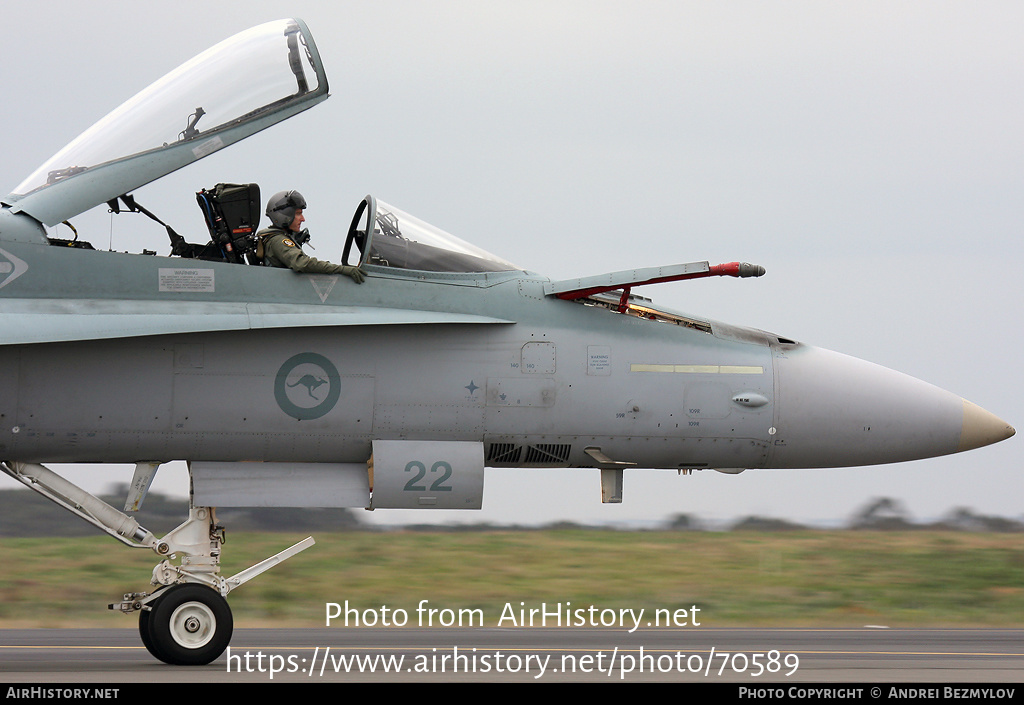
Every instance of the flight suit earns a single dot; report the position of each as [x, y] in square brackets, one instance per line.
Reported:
[280, 250]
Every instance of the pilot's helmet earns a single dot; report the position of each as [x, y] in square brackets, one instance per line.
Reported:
[282, 206]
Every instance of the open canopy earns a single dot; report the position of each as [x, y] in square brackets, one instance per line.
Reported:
[240, 86]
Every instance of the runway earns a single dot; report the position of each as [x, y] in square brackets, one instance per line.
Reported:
[753, 657]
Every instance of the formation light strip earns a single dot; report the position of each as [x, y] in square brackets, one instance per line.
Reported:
[700, 369]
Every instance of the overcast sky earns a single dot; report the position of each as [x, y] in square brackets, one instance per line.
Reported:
[868, 154]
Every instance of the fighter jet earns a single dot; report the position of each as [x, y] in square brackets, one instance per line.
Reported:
[309, 390]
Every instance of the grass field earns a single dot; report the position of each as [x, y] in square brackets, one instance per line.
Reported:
[808, 578]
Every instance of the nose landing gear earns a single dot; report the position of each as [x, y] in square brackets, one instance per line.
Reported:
[186, 620]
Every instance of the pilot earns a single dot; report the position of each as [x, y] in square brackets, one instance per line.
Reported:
[282, 241]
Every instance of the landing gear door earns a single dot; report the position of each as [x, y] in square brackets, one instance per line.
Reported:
[427, 475]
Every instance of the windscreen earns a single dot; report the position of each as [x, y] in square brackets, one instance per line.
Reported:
[406, 242]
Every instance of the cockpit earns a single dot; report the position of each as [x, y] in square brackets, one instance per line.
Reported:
[229, 92]
[380, 234]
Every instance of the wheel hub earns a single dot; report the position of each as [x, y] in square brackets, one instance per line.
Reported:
[193, 624]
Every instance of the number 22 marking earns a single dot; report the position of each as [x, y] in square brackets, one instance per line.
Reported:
[421, 471]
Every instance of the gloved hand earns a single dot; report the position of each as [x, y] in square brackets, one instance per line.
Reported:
[355, 272]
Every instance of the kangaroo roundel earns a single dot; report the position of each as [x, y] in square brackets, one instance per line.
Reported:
[307, 386]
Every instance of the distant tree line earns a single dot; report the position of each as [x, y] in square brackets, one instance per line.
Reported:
[24, 513]
[880, 514]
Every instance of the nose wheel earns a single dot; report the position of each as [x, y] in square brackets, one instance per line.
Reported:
[188, 625]
[186, 621]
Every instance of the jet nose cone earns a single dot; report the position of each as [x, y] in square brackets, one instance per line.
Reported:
[982, 428]
[833, 410]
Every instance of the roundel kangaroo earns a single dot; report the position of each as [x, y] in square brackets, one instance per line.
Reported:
[310, 383]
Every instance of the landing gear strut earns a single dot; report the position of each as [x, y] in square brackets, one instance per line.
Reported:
[186, 620]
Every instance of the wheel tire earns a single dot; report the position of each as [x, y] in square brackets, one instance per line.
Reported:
[190, 625]
[146, 632]
[146, 625]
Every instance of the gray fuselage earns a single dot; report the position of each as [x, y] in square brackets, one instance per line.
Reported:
[261, 364]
